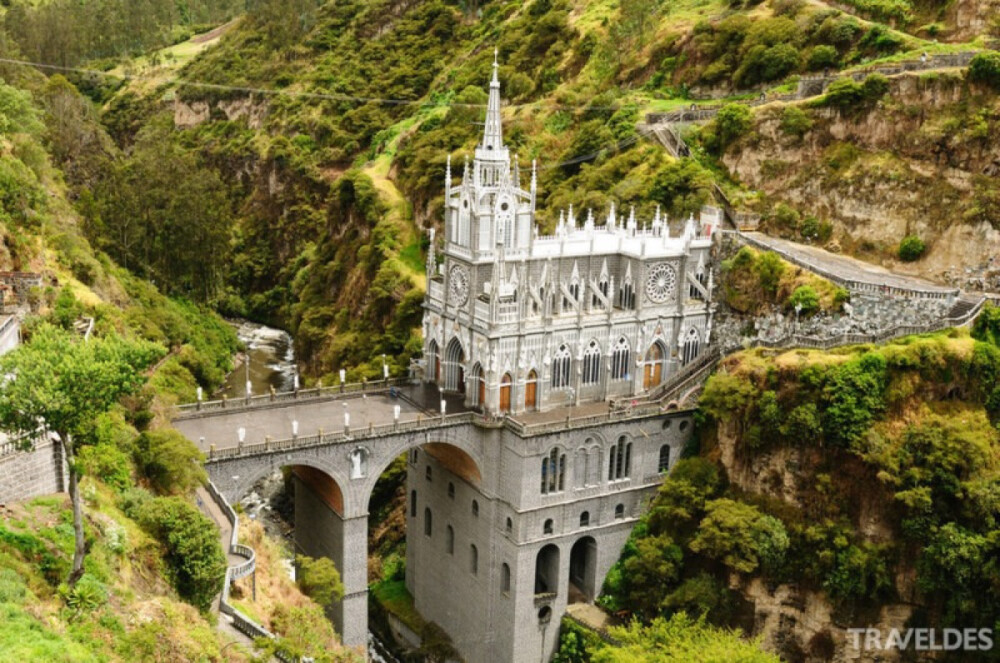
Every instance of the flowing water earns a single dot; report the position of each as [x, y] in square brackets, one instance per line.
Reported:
[269, 361]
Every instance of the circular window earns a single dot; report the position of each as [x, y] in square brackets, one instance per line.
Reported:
[660, 283]
[504, 207]
[666, 424]
[684, 425]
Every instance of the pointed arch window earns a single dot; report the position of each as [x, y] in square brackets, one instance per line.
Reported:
[621, 360]
[692, 346]
[561, 368]
[592, 363]
[449, 540]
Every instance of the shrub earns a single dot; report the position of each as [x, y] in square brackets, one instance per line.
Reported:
[732, 122]
[823, 56]
[795, 121]
[319, 579]
[170, 461]
[193, 552]
[806, 298]
[769, 268]
[911, 248]
[985, 68]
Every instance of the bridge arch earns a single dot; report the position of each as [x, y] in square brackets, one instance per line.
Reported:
[455, 452]
[329, 468]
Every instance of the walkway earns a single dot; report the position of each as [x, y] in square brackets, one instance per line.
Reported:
[845, 270]
[209, 507]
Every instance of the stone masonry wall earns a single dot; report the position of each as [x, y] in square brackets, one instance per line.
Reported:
[27, 474]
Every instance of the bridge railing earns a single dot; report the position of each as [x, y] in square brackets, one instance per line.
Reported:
[853, 285]
[422, 422]
[239, 404]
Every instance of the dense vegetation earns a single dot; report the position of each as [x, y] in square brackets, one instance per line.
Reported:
[903, 436]
[67, 33]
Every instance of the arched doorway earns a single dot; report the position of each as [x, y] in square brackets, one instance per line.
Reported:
[454, 376]
[547, 570]
[653, 374]
[583, 571]
[531, 391]
[505, 382]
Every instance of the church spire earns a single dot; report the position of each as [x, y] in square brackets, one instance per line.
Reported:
[493, 133]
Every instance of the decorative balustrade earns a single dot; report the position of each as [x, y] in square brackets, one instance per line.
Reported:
[238, 404]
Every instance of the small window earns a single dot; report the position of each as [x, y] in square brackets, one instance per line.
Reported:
[684, 425]
[451, 490]
[664, 462]
[619, 512]
[428, 522]
[475, 508]
[666, 424]
[413, 504]
[474, 559]
[545, 615]
[428, 473]
[413, 456]
[449, 540]
[510, 527]
[585, 519]
[547, 528]
[505, 578]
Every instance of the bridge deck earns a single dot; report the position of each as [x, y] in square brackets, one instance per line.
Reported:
[220, 428]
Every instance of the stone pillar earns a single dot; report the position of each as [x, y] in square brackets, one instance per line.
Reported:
[322, 532]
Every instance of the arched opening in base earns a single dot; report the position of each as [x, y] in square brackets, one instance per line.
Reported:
[583, 571]
[547, 570]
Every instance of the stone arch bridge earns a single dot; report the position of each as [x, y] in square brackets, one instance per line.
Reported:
[491, 493]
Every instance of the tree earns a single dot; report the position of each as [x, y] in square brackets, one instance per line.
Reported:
[319, 579]
[62, 384]
[740, 536]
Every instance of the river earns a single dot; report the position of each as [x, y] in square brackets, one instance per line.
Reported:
[270, 362]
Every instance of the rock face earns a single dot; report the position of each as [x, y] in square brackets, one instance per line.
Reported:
[919, 162]
[187, 115]
[800, 624]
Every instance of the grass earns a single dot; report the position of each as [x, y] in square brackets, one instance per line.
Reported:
[160, 66]
[396, 599]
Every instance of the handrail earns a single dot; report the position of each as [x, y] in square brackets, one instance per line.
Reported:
[241, 622]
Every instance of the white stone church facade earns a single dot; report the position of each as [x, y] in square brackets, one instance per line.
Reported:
[519, 322]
